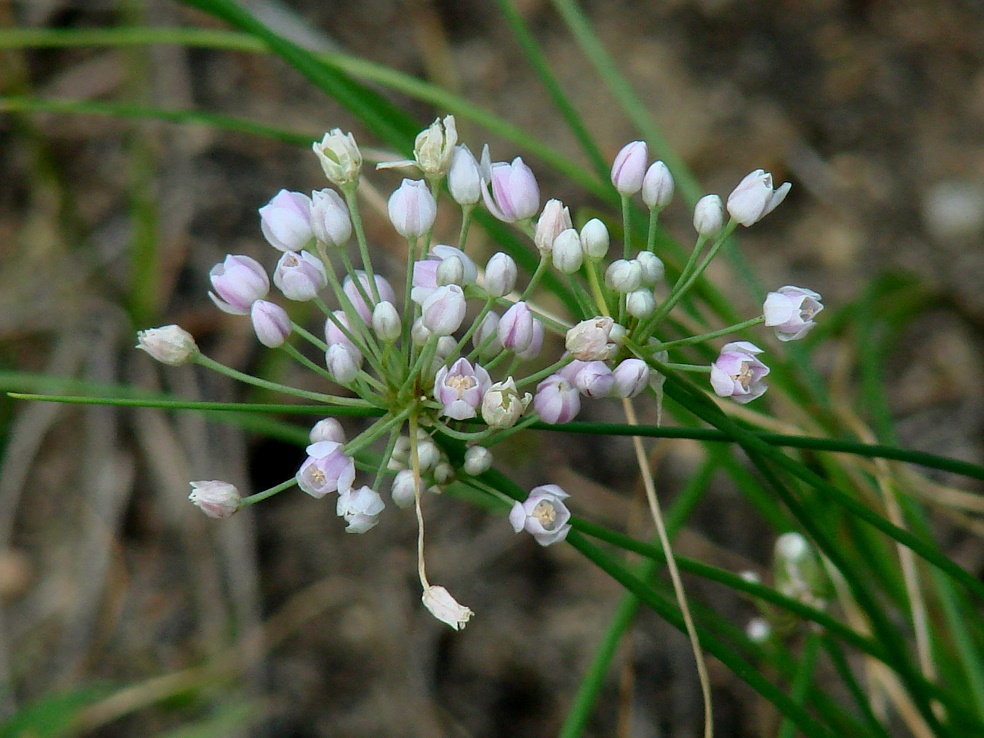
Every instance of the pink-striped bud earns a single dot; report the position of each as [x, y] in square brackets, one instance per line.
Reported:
[444, 310]
[330, 222]
[300, 276]
[631, 378]
[170, 344]
[514, 193]
[594, 379]
[286, 221]
[412, 209]
[516, 328]
[557, 400]
[270, 322]
[239, 281]
[629, 167]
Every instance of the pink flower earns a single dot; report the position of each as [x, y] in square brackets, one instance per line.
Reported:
[300, 276]
[737, 373]
[514, 194]
[350, 288]
[444, 310]
[412, 209]
[360, 508]
[330, 221]
[326, 469]
[557, 400]
[629, 167]
[754, 198]
[425, 271]
[516, 327]
[239, 281]
[544, 514]
[460, 389]
[631, 378]
[594, 379]
[286, 221]
[270, 322]
[791, 310]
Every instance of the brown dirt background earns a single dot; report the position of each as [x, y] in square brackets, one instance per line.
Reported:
[873, 109]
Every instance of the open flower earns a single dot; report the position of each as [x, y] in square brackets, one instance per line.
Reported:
[790, 310]
[737, 373]
[754, 197]
[544, 514]
[326, 469]
[360, 508]
[460, 389]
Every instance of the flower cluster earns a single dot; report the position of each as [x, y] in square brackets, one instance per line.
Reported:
[450, 360]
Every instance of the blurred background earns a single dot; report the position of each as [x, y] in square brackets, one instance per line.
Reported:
[126, 608]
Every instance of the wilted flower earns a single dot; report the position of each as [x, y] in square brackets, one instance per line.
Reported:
[543, 515]
[502, 404]
[591, 340]
[170, 344]
[434, 147]
[445, 608]
[737, 373]
[340, 157]
[216, 499]
[790, 310]
[754, 197]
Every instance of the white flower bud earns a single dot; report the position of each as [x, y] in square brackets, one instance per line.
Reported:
[444, 310]
[327, 429]
[708, 215]
[403, 489]
[488, 327]
[428, 455]
[386, 321]
[443, 473]
[450, 271]
[568, 254]
[341, 363]
[640, 303]
[330, 222]
[500, 275]
[657, 186]
[595, 239]
[624, 275]
[419, 333]
[215, 498]
[554, 219]
[653, 268]
[464, 181]
[478, 460]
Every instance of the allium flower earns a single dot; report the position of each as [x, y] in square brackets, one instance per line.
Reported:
[516, 327]
[460, 389]
[444, 310]
[595, 239]
[591, 340]
[330, 221]
[425, 271]
[340, 157]
[629, 167]
[708, 216]
[412, 209]
[554, 220]
[286, 221]
[557, 400]
[514, 194]
[653, 268]
[567, 254]
[238, 282]
[360, 508]
[624, 275]
[737, 373]
[434, 147]
[326, 469]
[631, 378]
[342, 360]
[536, 345]
[300, 276]
[790, 310]
[170, 344]
[640, 303]
[543, 515]
[216, 499]
[754, 197]
[386, 321]
[478, 460]
[403, 489]
[351, 289]
[445, 608]
[657, 186]
[464, 179]
[502, 404]
[270, 323]
[594, 379]
[500, 275]
[334, 335]
[327, 429]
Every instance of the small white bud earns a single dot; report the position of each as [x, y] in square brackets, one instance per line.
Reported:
[657, 186]
[708, 215]
[640, 303]
[568, 254]
[327, 429]
[428, 455]
[403, 489]
[500, 275]
[478, 460]
[653, 268]
[624, 275]
[386, 321]
[595, 239]
[171, 345]
[450, 271]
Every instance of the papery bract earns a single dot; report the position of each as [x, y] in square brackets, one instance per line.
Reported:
[445, 608]
[434, 147]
